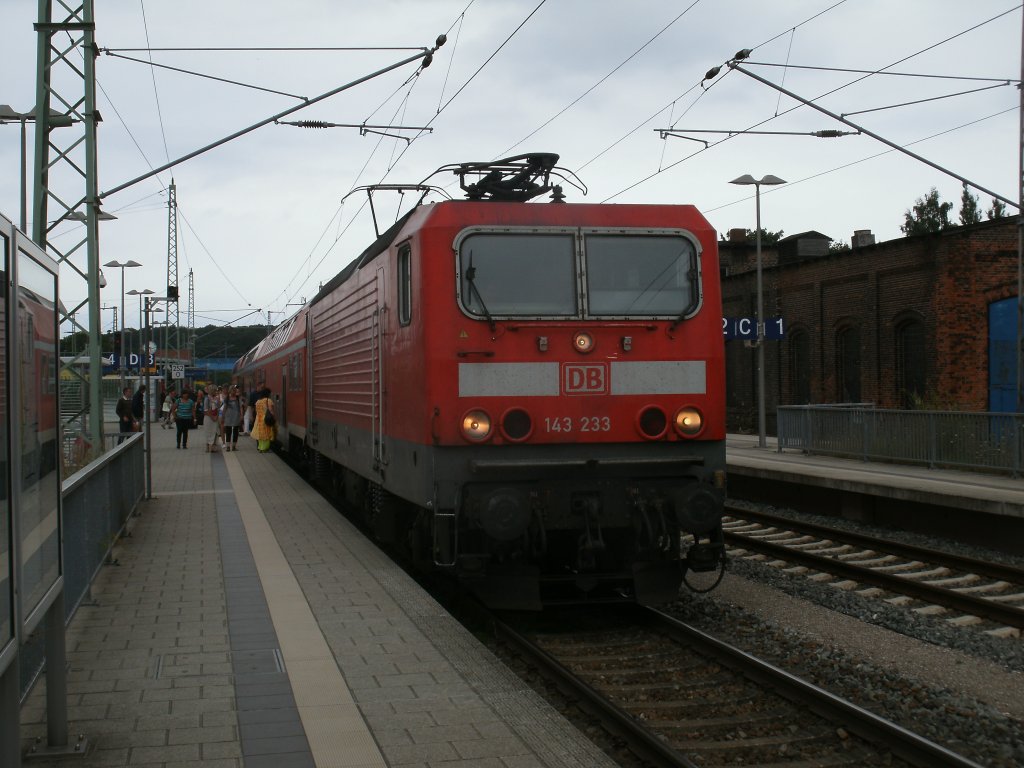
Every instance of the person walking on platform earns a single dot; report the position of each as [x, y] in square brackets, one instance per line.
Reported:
[262, 432]
[231, 419]
[139, 407]
[247, 412]
[211, 417]
[201, 405]
[124, 413]
[185, 417]
[167, 410]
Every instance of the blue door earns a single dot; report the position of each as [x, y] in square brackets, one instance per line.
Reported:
[1002, 358]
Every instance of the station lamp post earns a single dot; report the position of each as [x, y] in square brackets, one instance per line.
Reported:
[140, 294]
[150, 308]
[768, 180]
[122, 265]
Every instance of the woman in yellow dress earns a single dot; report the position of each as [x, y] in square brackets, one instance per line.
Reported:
[262, 433]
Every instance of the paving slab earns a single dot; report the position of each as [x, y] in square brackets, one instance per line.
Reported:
[248, 624]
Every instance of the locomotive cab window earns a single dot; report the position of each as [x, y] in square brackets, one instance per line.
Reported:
[498, 274]
[640, 275]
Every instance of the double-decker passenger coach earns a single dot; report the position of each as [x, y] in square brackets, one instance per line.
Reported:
[528, 395]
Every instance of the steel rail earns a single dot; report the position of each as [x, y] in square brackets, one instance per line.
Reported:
[992, 570]
[975, 606]
[643, 742]
[869, 726]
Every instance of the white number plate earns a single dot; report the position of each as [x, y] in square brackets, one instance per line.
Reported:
[566, 424]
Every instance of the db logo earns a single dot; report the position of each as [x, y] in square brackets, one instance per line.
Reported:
[585, 379]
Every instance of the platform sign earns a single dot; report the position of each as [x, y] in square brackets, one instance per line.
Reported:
[746, 328]
[132, 360]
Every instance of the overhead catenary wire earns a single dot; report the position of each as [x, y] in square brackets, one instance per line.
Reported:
[589, 90]
[156, 92]
[193, 73]
[712, 74]
[924, 101]
[883, 73]
[409, 145]
[643, 123]
[875, 156]
[455, 47]
[877, 137]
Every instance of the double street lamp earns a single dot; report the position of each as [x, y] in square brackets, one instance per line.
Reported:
[8, 115]
[122, 265]
[768, 180]
[140, 294]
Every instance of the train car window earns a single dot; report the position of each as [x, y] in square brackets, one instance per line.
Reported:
[38, 510]
[518, 275]
[405, 285]
[645, 275]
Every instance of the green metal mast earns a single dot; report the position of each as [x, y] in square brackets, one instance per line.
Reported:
[66, 79]
[173, 316]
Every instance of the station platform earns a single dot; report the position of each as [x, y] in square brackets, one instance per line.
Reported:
[247, 624]
[971, 492]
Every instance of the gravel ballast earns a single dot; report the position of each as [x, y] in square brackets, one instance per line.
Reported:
[956, 686]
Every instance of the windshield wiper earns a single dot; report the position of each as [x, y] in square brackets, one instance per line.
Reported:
[692, 275]
[470, 278]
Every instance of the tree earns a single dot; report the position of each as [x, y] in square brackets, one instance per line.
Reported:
[969, 211]
[997, 211]
[838, 246]
[767, 238]
[928, 215]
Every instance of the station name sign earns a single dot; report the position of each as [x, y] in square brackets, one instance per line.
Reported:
[132, 360]
[746, 328]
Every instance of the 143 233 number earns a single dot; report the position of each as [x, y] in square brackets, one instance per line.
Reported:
[582, 424]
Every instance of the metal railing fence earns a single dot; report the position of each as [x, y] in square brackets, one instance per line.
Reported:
[950, 439]
[96, 504]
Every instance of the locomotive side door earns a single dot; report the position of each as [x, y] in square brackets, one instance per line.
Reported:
[379, 390]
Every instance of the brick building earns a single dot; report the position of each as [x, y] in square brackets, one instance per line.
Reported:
[914, 322]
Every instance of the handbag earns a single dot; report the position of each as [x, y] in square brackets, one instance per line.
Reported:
[268, 419]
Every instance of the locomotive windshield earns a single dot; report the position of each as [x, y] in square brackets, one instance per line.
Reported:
[640, 275]
[518, 274]
[535, 274]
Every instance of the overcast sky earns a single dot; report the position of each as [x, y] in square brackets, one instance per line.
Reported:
[262, 222]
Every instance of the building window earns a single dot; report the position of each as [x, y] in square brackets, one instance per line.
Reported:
[405, 285]
[848, 365]
[800, 367]
[911, 362]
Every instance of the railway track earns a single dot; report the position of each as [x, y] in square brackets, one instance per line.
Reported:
[682, 698]
[983, 594]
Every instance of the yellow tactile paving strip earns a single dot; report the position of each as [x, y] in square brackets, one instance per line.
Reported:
[337, 734]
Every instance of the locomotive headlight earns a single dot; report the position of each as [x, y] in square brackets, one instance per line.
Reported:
[689, 421]
[476, 426]
[583, 342]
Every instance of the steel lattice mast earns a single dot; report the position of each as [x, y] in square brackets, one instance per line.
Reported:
[173, 316]
[191, 319]
[66, 98]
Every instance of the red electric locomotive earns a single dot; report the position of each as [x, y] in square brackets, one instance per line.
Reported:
[527, 395]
